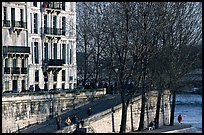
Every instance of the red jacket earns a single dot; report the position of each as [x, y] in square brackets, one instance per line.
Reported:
[179, 118]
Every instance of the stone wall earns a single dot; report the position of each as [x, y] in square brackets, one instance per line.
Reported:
[103, 122]
[21, 110]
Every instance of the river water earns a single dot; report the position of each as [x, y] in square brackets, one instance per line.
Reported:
[190, 107]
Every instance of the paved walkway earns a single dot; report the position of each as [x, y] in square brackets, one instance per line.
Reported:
[81, 112]
[184, 128]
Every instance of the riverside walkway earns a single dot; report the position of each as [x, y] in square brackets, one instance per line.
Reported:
[176, 128]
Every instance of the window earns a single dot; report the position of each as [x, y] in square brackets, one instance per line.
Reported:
[35, 4]
[63, 5]
[36, 75]
[71, 78]
[23, 63]
[31, 20]
[64, 52]
[5, 14]
[45, 24]
[63, 75]
[36, 52]
[12, 17]
[70, 56]
[6, 85]
[55, 24]
[6, 63]
[36, 23]
[23, 85]
[21, 14]
[14, 63]
[55, 76]
[63, 25]
[46, 52]
[55, 51]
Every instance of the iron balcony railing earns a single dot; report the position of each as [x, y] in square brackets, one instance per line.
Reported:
[6, 23]
[19, 24]
[15, 49]
[52, 31]
[24, 71]
[7, 70]
[15, 70]
[56, 62]
[54, 5]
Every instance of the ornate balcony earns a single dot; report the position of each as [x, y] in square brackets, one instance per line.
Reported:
[15, 49]
[56, 62]
[7, 70]
[23, 70]
[19, 24]
[15, 70]
[52, 31]
[6, 23]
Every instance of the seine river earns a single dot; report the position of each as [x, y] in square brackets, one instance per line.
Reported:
[190, 107]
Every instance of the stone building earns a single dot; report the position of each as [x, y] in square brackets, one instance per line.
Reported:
[39, 45]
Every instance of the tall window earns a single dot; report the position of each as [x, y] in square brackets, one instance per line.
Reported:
[36, 23]
[55, 24]
[63, 5]
[23, 63]
[46, 51]
[36, 75]
[14, 63]
[45, 24]
[21, 14]
[70, 56]
[64, 52]
[5, 14]
[55, 51]
[63, 75]
[6, 63]
[35, 4]
[63, 25]
[12, 17]
[36, 52]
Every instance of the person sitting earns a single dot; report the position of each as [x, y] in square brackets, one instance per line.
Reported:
[151, 125]
[67, 121]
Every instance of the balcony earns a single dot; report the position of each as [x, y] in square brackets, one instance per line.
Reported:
[56, 62]
[52, 31]
[7, 70]
[19, 24]
[15, 70]
[6, 23]
[53, 5]
[15, 49]
[23, 70]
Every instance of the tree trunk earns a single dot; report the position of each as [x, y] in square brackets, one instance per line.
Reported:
[141, 124]
[124, 116]
[173, 108]
[158, 110]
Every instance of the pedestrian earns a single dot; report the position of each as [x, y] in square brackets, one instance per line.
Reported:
[58, 121]
[67, 121]
[179, 119]
[75, 119]
[82, 123]
[89, 111]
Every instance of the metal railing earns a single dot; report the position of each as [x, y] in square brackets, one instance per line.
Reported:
[19, 24]
[52, 31]
[15, 49]
[6, 23]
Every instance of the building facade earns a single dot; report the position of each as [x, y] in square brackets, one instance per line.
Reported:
[39, 45]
